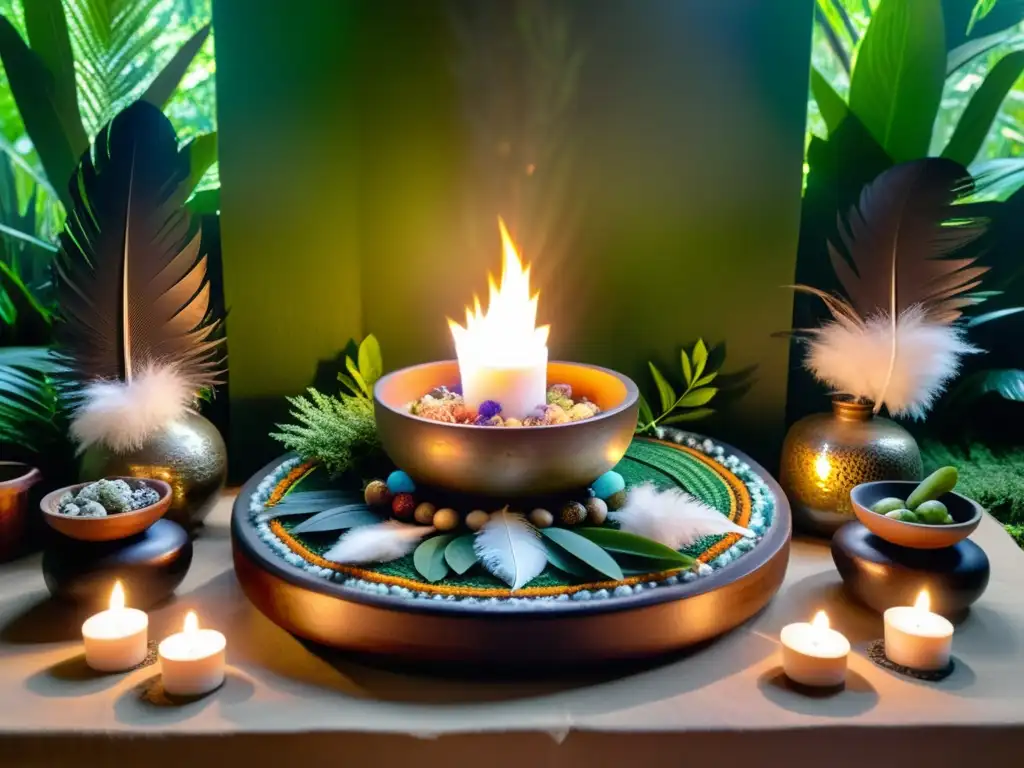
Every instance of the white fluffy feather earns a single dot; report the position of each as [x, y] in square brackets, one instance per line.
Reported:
[672, 517]
[377, 543]
[122, 416]
[510, 548]
[854, 358]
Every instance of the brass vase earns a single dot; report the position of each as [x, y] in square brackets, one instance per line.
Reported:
[188, 453]
[827, 454]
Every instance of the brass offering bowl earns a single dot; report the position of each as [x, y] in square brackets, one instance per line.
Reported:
[506, 461]
[966, 514]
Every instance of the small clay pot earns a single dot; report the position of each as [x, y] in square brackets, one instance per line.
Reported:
[15, 480]
[112, 527]
[965, 512]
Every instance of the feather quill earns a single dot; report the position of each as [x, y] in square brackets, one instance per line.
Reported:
[891, 341]
[854, 358]
[377, 543]
[672, 517]
[510, 548]
[131, 283]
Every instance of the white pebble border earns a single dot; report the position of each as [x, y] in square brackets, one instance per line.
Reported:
[762, 502]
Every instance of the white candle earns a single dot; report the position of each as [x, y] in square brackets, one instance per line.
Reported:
[813, 654]
[503, 355]
[192, 661]
[917, 638]
[115, 639]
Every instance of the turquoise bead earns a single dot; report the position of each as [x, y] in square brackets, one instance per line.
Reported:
[400, 482]
[606, 485]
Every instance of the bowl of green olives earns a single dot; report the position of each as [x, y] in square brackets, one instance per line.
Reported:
[925, 515]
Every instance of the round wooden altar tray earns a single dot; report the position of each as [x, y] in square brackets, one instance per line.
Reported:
[649, 623]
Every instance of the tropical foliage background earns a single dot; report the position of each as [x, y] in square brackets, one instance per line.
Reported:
[68, 67]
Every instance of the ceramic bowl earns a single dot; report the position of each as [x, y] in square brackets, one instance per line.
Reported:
[965, 512]
[115, 526]
[504, 462]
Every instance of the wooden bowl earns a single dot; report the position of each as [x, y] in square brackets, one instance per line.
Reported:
[965, 512]
[120, 525]
[496, 461]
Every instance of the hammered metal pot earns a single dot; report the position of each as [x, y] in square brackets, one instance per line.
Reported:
[827, 454]
[189, 454]
[506, 462]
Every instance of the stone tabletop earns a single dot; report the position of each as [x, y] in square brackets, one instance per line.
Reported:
[728, 698]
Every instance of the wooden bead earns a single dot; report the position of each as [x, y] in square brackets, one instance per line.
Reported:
[597, 510]
[377, 494]
[573, 513]
[476, 519]
[446, 519]
[424, 514]
[542, 518]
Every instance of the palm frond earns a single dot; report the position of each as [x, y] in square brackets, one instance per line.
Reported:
[30, 414]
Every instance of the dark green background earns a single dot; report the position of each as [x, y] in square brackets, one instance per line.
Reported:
[367, 147]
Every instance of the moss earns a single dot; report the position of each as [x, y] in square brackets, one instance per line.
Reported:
[991, 476]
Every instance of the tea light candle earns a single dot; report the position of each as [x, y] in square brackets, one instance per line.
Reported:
[917, 638]
[115, 639]
[192, 661]
[813, 654]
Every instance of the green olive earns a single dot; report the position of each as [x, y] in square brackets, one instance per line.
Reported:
[932, 512]
[895, 514]
[907, 516]
[940, 481]
[949, 520]
[886, 505]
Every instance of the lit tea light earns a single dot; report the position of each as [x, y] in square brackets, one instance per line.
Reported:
[115, 639]
[503, 355]
[192, 661]
[823, 468]
[917, 638]
[814, 654]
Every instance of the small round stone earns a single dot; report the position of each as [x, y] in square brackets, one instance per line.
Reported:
[542, 518]
[400, 482]
[403, 506]
[597, 510]
[616, 501]
[446, 519]
[91, 508]
[573, 513]
[377, 494]
[424, 513]
[608, 484]
[476, 519]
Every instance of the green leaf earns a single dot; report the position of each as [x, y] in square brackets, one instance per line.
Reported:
[687, 367]
[1008, 383]
[314, 501]
[645, 415]
[974, 49]
[565, 562]
[981, 9]
[981, 111]
[338, 519]
[32, 320]
[27, 238]
[285, 510]
[47, 30]
[585, 550]
[988, 317]
[703, 381]
[358, 378]
[830, 104]
[687, 416]
[614, 540]
[350, 384]
[459, 554]
[700, 358]
[33, 89]
[429, 557]
[896, 85]
[164, 84]
[205, 201]
[202, 153]
[698, 397]
[371, 363]
[665, 391]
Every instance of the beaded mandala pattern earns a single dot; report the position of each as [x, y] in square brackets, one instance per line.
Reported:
[751, 503]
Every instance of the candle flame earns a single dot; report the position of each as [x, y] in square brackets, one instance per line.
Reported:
[506, 335]
[191, 623]
[820, 620]
[117, 596]
[923, 602]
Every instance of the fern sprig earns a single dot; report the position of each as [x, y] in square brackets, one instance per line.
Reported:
[689, 406]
